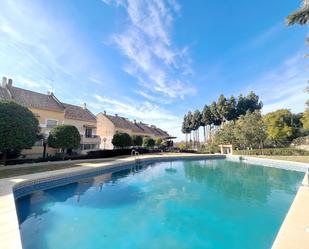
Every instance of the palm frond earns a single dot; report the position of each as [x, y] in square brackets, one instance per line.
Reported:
[299, 17]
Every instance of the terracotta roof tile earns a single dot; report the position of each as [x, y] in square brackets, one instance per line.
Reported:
[79, 113]
[35, 100]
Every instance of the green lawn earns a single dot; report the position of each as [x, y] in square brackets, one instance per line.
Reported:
[302, 159]
[7, 172]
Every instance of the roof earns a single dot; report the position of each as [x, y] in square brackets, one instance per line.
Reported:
[137, 127]
[35, 100]
[120, 122]
[78, 112]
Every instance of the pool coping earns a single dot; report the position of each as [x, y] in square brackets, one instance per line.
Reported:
[9, 227]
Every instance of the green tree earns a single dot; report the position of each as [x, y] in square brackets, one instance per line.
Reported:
[137, 140]
[196, 123]
[301, 16]
[279, 127]
[148, 142]
[226, 135]
[305, 117]
[185, 128]
[247, 103]
[121, 140]
[64, 137]
[189, 124]
[216, 121]
[159, 142]
[207, 119]
[18, 128]
[250, 130]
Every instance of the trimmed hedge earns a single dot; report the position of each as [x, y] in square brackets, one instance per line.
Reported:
[90, 155]
[273, 152]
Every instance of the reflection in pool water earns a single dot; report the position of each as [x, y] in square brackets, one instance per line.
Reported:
[183, 204]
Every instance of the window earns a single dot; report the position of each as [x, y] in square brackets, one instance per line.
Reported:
[88, 132]
[50, 123]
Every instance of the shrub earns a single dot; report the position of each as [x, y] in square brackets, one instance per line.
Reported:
[121, 140]
[273, 152]
[137, 140]
[149, 142]
[64, 137]
[18, 128]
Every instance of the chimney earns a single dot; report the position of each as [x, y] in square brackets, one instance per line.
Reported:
[50, 93]
[10, 82]
[4, 81]
[134, 121]
[116, 115]
[84, 106]
[104, 112]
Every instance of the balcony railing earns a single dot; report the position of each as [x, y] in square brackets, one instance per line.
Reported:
[95, 139]
[90, 136]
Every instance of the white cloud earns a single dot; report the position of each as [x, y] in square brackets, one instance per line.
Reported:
[159, 66]
[283, 87]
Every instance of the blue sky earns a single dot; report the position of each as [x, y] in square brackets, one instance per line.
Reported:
[155, 60]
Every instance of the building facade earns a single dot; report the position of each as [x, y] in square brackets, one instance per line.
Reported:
[50, 112]
[109, 125]
[96, 131]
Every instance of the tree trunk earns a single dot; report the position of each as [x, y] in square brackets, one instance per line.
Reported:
[44, 149]
[63, 153]
[204, 128]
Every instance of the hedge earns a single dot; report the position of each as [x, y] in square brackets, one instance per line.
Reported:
[273, 152]
[90, 155]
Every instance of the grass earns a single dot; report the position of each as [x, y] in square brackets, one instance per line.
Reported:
[11, 171]
[7, 172]
[301, 159]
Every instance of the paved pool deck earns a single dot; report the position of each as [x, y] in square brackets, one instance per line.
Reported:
[294, 232]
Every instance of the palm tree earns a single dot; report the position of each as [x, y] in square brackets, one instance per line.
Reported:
[300, 16]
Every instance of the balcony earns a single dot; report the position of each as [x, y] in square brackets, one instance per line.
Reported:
[90, 139]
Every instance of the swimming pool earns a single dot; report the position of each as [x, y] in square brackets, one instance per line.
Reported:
[172, 204]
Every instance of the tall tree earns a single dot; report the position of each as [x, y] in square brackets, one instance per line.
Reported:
[207, 119]
[215, 114]
[222, 108]
[185, 129]
[18, 128]
[301, 16]
[190, 125]
[249, 103]
[197, 117]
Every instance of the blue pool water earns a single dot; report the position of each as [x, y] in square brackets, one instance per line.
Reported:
[181, 204]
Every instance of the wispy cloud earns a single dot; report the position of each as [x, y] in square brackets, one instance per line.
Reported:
[144, 111]
[154, 60]
[43, 52]
[283, 87]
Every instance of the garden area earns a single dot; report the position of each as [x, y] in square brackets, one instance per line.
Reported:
[239, 122]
